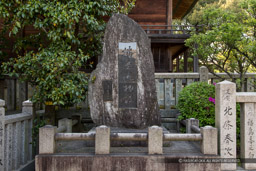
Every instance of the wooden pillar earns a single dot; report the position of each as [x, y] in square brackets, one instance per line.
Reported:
[186, 61]
[1, 88]
[11, 94]
[178, 63]
[195, 61]
[169, 13]
[169, 53]
[195, 66]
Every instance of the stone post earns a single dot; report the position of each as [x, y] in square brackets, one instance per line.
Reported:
[249, 85]
[155, 140]
[67, 123]
[28, 107]
[102, 140]
[178, 87]
[47, 140]
[2, 131]
[248, 137]
[160, 92]
[168, 93]
[225, 121]
[203, 71]
[209, 144]
[190, 81]
[189, 123]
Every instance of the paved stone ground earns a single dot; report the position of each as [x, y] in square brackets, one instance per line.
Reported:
[176, 147]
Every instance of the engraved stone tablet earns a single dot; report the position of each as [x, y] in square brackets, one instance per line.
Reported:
[107, 90]
[127, 95]
[129, 100]
[127, 75]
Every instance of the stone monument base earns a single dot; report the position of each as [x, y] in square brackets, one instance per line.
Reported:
[127, 143]
[137, 162]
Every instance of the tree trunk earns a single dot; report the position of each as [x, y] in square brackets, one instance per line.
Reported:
[50, 115]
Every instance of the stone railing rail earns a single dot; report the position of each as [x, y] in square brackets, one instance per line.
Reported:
[48, 136]
[16, 137]
[168, 85]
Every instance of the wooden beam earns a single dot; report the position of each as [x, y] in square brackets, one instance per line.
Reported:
[177, 6]
[179, 52]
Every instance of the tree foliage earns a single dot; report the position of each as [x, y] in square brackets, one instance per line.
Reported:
[226, 40]
[68, 33]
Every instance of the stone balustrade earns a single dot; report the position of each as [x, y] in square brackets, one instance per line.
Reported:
[168, 85]
[16, 137]
[48, 136]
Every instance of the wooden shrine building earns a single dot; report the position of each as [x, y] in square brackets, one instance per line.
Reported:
[167, 40]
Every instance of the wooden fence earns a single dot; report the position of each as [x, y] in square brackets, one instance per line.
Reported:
[14, 92]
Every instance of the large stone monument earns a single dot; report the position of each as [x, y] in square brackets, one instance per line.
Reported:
[122, 89]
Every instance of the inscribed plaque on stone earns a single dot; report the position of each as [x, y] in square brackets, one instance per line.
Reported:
[107, 90]
[127, 75]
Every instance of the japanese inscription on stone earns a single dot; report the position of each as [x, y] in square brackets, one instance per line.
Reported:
[107, 90]
[225, 116]
[127, 75]
[228, 124]
[250, 132]
[248, 138]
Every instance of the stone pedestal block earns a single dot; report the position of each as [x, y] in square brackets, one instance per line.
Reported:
[47, 140]
[209, 145]
[102, 140]
[155, 140]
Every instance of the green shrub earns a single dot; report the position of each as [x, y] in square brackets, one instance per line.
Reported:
[194, 103]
